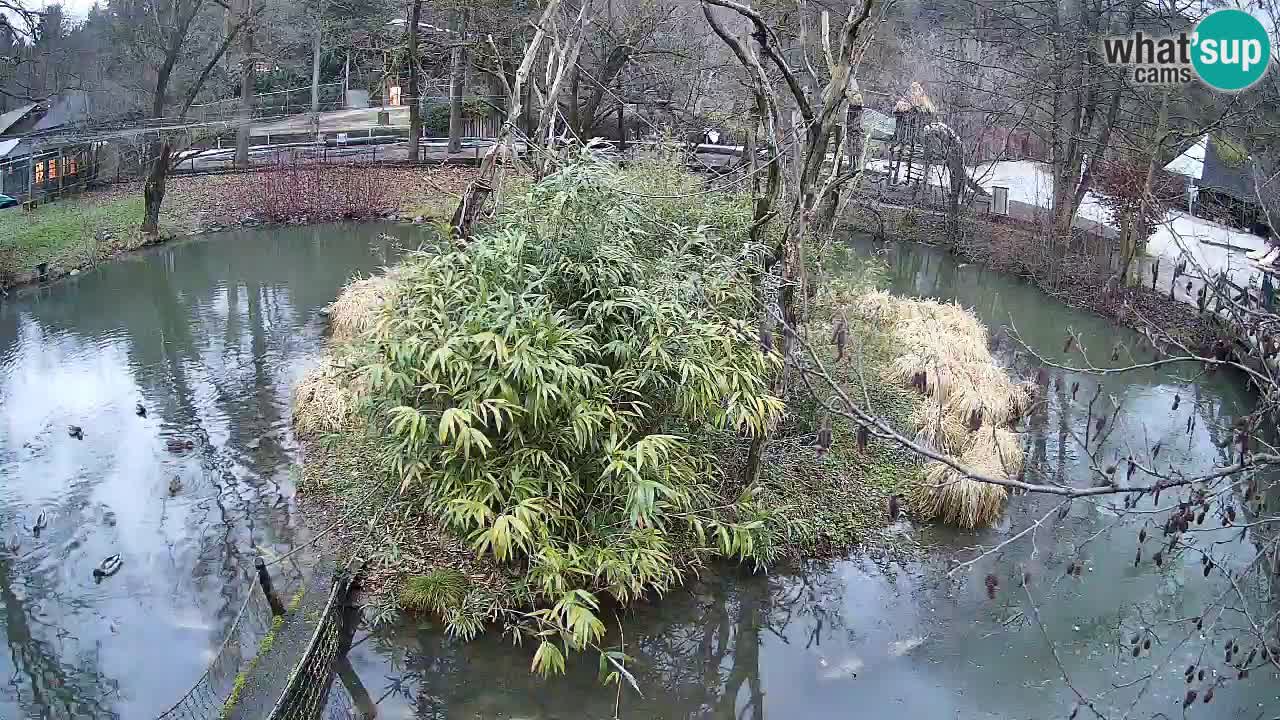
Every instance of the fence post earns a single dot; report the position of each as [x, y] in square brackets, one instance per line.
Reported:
[264, 579]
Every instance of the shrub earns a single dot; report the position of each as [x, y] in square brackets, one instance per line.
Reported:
[314, 192]
[1122, 184]
[551, 391]
[438, 590]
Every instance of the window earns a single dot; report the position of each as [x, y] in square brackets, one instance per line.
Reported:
[71, 165]
[39, 172]
[53, 169]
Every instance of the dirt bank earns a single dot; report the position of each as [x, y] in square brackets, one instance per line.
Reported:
[76, 233]
[1078, 277]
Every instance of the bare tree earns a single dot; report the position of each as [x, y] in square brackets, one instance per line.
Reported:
[163, 36]
[820, 192]
[415, 83]
[248, 63]
[457, 76]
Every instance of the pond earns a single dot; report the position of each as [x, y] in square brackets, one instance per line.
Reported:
[210, 334]
[866, 637]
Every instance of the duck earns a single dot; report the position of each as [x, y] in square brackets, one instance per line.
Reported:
[177, 445]
[175, 485]
[108, 567]
[140, 410]
[75, 432]
[42, 522]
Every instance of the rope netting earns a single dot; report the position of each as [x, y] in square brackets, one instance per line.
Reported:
[307, 693]
[206, 697]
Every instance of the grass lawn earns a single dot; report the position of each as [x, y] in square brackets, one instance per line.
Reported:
[68, 233]
[80, 231]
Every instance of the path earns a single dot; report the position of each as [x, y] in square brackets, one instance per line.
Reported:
[266, 679]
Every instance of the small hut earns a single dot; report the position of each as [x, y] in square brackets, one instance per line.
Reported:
[911, 113]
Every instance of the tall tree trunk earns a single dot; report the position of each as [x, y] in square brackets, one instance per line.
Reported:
[415, 85]
[246, 95]
[457, 76]
[315, 70]
[1135, 229]
[153, 190]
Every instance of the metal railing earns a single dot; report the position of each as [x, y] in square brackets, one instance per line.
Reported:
[278, 103]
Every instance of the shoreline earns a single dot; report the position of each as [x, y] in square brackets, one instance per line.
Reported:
[980, 245]
[206, 204]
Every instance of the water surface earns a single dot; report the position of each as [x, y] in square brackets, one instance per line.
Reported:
[209, 335]
[877, 638]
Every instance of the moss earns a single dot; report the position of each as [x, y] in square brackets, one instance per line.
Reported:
[1229, 151]
[440, 590]
[264, 646]
[843, 495]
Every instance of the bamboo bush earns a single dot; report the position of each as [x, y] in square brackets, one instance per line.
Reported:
[550, 391]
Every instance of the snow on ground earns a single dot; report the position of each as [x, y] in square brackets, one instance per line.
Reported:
[1213, 247]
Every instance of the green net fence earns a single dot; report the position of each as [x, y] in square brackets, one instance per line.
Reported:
[206, 697]
[308, 692]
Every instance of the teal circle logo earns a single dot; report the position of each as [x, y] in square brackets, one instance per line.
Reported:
[1231, 50]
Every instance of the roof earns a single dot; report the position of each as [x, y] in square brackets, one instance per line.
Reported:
[69, 106]
[877, 125]
[8, 119]
[7, 146]
[1225, 177]
[1191, 162]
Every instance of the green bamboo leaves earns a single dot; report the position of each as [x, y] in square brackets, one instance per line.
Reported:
[552, 391]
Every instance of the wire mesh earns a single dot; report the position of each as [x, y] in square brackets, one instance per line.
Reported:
[308, 691]
[206, 697]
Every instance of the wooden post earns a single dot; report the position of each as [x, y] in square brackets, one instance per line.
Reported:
[264, 579]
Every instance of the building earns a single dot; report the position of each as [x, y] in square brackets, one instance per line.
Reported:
[1220, 184]
[33, 167]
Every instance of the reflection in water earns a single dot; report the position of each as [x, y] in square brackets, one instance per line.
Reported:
[209, 336]
[864, 638]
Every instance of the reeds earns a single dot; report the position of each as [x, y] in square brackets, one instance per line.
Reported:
[321, 401]
[359, 306]
[943, 352]
[324, 400]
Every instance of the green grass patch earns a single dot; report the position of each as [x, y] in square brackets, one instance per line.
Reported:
[71, 232]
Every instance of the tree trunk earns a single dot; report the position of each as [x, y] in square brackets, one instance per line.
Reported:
[315, 71]
[153, 190]
[457, 69]
[246, 97]
[476, 196]
[1136, 230]
[415, 87]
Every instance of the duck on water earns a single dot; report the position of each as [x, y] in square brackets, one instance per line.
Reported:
[109, 566]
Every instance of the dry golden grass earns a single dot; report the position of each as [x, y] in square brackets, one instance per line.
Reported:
[321, 402]
[938, 429]
[324, 400]
[954, 499]
[359, 306]
[972, 401]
